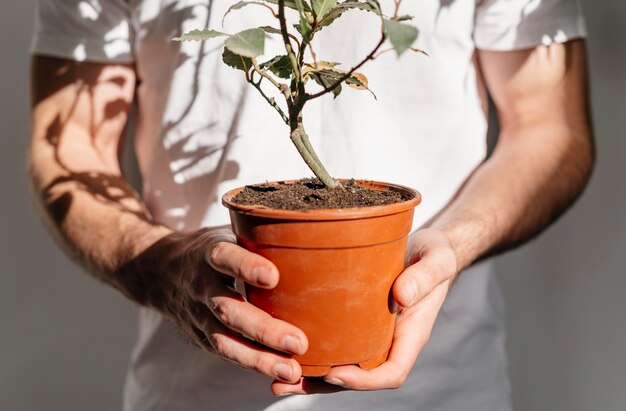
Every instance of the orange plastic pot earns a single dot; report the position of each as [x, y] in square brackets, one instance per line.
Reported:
[336, 268]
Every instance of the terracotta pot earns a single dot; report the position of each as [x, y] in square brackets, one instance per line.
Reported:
[336, 268]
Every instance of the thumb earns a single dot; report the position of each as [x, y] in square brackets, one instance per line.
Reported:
[437, 264]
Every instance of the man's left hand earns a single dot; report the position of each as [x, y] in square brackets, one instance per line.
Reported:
[420, 292]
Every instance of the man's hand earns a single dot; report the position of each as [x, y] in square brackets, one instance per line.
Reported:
[193, 278]
[79, 114]
[420, 291]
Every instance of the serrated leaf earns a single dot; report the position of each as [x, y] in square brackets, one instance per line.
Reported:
[326, 81]
[341, 8]
[271, 30]
[236, 61]
[358, 81]
[337, 91]
[280, 66]
[404, 18]
[248, 43]
[402, 36]
[290, 3]
[375, 5]
[326, 64]
[322, 7]
[302, 6]
[200, 35]
[304, 28]
[237, 6]
[326, 77]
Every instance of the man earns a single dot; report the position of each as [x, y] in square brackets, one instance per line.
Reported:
[200, 130]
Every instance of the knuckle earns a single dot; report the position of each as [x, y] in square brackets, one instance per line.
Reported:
[442, 265]
[217, 252]
[262, 333]
[247, 266]
[225, 311]
[219, 344]
[197, 287]
[446, 258]
[260, 364]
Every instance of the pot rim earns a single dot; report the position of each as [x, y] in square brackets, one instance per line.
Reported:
[331, 213]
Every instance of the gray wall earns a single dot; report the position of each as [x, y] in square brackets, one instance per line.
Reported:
[565, 291]
[65, 339]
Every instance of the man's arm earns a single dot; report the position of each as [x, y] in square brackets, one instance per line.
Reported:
[79, 113]
[542, 162]
[543, 158]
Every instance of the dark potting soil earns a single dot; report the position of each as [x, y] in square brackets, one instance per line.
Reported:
[311, 194]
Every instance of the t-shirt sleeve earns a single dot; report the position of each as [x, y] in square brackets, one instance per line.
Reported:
[84, 30]
[518, 24]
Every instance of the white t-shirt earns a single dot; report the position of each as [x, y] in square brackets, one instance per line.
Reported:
[202, 130]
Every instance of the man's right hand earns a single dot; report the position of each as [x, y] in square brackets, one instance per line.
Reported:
[80, 188]
[197, 273]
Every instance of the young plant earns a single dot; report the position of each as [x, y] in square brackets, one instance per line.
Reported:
[292, 73]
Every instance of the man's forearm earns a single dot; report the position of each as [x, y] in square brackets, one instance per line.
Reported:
[527, 183]
[96, 216]
[543, 158]
[75, 174]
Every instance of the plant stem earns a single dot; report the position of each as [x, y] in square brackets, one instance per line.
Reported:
[262, 73]
[288, 47]
[296, 101]
[272, 102]
[301, 141]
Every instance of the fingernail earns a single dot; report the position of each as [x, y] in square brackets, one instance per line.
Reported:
[292, 344]
[262, 276]
[409, 291]
[336, 381]
[283, 394]
[283, 371]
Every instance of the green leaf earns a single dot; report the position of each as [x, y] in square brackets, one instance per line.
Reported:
[304, 28]
[271, 30]
[248, 43]
[280, 66]
[239, 5]
[302, 6]
[322, 7]
[326, 81]
[200, 35]
[337, 91]
[236, 61]
[327, 64]
[306, 18]
[402, 36]
[236, 6]
[326, 77]
[375, 5]
[292, 4]
[341, 8]
[404, 18]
